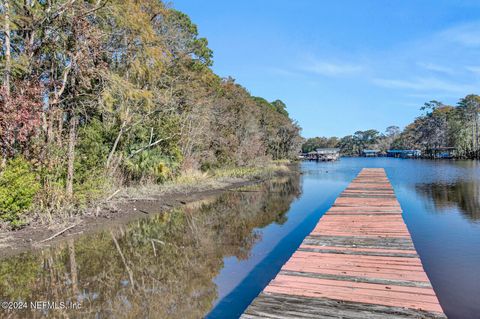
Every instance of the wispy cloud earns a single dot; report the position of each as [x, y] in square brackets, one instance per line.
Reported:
[425, 84]
[473, 69]
[331, 68]
[467, 35]
[436, 68]
[283, 72]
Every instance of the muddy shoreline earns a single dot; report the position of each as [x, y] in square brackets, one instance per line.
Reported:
[116, 212]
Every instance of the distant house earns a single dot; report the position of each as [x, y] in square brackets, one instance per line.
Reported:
[404, 153]
[370, 153]
[327, 150]
[328, 154]
[311, 155]
[323, 154]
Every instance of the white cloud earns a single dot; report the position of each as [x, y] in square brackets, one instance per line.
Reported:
[433, 96]
[438, 65]
[436, 68]
[282, 72]
[425, 84]
[467, 35]
[473, 69]
[328, 68]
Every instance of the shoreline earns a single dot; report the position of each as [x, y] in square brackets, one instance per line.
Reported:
[124, 209]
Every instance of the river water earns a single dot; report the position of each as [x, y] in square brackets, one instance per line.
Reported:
[211, 258]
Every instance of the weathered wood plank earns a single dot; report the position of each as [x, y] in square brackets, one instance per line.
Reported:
[268, 305]
[360, 250]
[387, 282]
[354, 252]
[359, 241]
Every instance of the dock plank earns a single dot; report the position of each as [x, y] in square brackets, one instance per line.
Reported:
[358, 262]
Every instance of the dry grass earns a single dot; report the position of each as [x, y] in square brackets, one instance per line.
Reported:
[266, 171]
[194, 180]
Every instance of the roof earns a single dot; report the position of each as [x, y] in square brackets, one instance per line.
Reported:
[327, 150]
[371, 151]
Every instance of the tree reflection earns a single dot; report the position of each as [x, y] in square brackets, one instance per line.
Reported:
[160, 267]
[461, 195]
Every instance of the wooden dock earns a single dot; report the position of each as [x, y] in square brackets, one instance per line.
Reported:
[358, 262]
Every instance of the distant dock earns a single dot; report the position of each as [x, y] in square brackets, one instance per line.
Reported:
[323, 154]
[358, 262]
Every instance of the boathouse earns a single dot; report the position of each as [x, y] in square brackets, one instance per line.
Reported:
[328, 154]
[370, 153]
[323, 154]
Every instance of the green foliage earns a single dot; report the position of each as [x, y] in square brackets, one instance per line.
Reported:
[150, 165]
[312, 144]
[18, 186]
[353, 145]
[91, 150]
[440, 126]
[281, 135]
[280, 107]
[185, 39]
[129, 100]
[90, 180]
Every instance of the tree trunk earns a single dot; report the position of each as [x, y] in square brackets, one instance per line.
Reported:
[8, 62]
[3, 162]
[8, 66]
[60, 128]
[115, 144]
[72, 139]
[117, 140]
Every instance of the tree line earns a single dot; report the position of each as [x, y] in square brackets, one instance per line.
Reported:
[353, 145]
[102, 92]
[444, 125]
[440, 126]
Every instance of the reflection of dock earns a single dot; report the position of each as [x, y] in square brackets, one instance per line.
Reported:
[358, 262]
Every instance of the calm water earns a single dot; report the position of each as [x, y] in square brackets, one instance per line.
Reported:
[212, 258]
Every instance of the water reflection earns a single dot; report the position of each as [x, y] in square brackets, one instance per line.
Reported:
[462, 195]
[160, 267]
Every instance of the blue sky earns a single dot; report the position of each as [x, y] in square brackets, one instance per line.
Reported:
[345, 65]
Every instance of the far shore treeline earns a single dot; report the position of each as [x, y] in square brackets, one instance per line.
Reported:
[440, 126]
[97, 95]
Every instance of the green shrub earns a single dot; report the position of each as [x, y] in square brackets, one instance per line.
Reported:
[93, 146]
[150, 165]
[18, 186]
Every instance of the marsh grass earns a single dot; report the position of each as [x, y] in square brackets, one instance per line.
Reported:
[196, 180]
